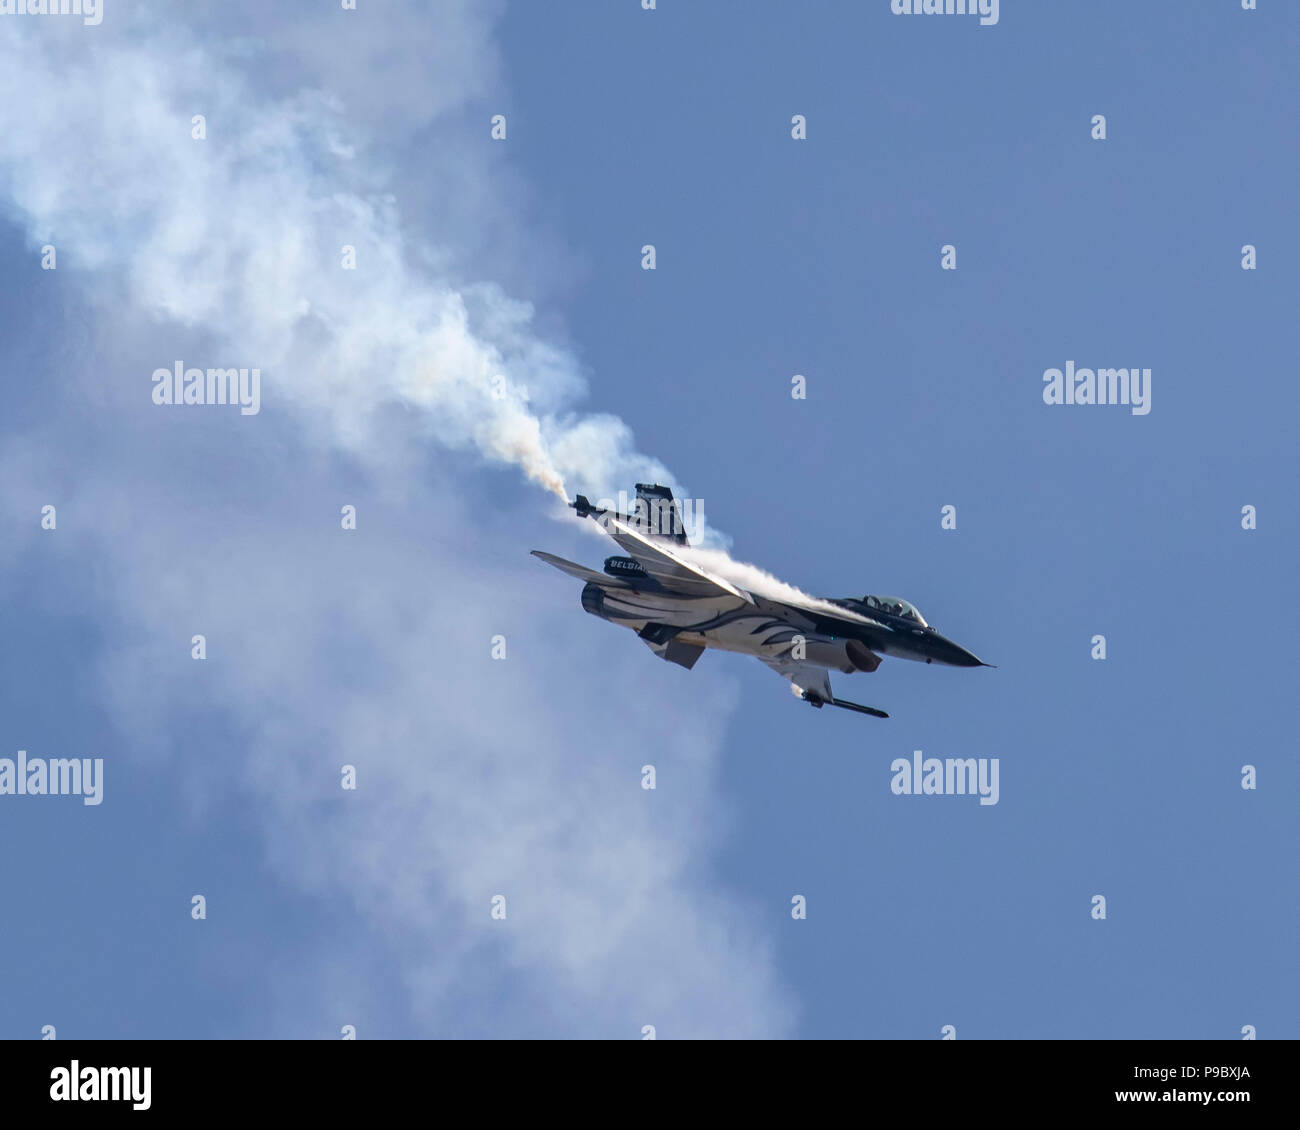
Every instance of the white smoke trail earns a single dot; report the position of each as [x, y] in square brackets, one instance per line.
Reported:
[238, 238]
[763, 583]
[242, 234]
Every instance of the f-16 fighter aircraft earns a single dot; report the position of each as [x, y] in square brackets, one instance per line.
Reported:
[679, 608]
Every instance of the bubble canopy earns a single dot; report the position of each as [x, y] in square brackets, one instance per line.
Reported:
[895, 606]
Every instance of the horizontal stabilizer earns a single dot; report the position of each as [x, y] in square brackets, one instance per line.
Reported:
[674, 651]
[661, 639]
[581, 571]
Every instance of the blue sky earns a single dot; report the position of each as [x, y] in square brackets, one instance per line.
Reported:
[775, 257]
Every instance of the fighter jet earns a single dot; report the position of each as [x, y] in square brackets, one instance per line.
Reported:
[680, 608]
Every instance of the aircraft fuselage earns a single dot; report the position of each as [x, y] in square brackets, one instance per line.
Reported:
[764, 630]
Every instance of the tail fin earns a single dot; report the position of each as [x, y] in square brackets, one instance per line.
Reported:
[658, 514]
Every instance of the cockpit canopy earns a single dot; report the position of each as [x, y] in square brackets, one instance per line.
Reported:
[895, 605]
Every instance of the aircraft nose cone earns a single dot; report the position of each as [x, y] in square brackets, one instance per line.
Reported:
[957, 656]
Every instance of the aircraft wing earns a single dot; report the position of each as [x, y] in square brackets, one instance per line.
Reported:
[813, 684]
[803, 676]
[669, 567]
